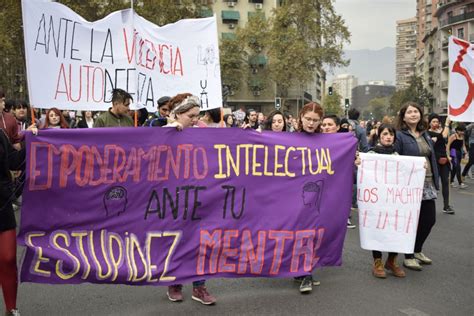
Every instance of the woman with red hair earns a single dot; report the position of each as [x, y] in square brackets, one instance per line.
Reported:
[309, 122]
[54, 119]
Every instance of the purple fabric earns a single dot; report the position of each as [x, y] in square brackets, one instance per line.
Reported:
[98, 204]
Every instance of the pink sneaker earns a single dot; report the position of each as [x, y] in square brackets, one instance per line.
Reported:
[201, 295]
[175, 293]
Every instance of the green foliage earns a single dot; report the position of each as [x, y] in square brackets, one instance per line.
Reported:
[332, 104]
[377, 109]
[232, 63]
[253, 39]
[305, 35]
[160, 12]
[12, 62]
[415, 92]
[163, 12]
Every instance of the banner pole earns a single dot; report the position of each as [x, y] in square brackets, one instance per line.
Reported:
[135, 118]
[32, 112]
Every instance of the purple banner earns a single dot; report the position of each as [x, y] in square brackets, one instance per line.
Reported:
[154, 206]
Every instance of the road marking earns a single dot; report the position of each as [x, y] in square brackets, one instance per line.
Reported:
[413, 312]
[467, 193]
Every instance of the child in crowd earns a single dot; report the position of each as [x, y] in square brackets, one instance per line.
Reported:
[384, 144]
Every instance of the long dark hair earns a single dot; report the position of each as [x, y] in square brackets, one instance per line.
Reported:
[401, 125]
[267, 125]
[233, 120]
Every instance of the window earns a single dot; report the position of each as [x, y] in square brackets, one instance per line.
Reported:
[461, 33]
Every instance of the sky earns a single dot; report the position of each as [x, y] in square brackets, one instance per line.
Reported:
[372, 23]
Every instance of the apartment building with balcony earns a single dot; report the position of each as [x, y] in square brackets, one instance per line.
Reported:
[448, 17]
[405, 64]
[456, 17]
[426, 22]
[232, 14]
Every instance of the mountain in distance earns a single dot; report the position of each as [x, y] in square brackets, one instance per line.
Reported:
[369, 65]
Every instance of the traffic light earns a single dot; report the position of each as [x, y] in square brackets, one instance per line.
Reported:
[330, 90]
[277, 103]
[346, 103]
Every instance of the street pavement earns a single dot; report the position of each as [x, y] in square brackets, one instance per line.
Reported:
[443, 288]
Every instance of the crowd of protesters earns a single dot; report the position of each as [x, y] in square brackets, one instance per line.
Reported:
[411, 133]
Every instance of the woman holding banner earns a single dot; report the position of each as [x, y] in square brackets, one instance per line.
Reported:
[309, 121]
[384, 144]
[439, 136]
[412, 139]
[185, 115]
[10, 159]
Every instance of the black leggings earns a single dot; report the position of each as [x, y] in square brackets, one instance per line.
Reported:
[444, 175]
[456, 171]
[425, 223]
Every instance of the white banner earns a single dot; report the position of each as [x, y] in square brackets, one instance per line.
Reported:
[389, 193]
[75, 64]
[461, 83]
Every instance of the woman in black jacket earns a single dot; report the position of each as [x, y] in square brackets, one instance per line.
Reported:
[10, 159]
[413, 140]
[439, 136]
[87, 120]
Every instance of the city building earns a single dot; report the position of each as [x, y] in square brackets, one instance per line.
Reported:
[455, 18]
[232, 14]
[405, 52]
[343, 85]
[447, 17]
[361, 95]
[379, 83]
[425, 23]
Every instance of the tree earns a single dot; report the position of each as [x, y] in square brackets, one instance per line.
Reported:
[232, 63]
[305, 35]
[254, 38]
[160, 12]
[332, 104]
[12, 61]
[415, 92]
[377, 108]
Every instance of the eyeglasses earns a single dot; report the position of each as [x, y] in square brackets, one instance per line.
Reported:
[310, 120]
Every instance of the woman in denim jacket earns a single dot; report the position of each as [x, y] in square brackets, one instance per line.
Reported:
[413, 140]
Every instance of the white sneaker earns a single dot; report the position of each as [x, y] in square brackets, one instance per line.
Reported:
[412, 264]
[350, 225]
[454, 185]
[422, 258]
[463, 186]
